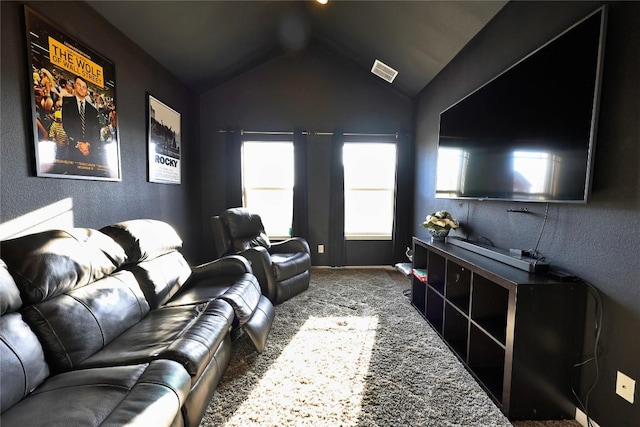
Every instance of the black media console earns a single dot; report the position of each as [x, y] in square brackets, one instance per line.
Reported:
[517, 333]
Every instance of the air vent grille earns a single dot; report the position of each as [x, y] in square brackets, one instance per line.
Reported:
[383, 71]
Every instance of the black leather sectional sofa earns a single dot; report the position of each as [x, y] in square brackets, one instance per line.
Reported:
[114, 328]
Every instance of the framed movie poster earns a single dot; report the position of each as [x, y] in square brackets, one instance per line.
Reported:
[164, 143]
[73, 103]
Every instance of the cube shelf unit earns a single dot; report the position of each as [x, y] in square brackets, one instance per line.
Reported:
[518, 334]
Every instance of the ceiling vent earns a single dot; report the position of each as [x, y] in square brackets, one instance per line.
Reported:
[383, 71]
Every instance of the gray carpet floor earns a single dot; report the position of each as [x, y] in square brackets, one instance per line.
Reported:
[352, 351]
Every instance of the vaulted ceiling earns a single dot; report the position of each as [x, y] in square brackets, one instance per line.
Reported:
[205, 43]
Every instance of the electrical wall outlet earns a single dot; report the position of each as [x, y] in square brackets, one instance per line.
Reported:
[320, 249]
[625, 387]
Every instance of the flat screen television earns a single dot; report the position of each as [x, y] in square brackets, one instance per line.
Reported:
[529, 133]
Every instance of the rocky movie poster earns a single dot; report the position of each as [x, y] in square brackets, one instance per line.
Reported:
[164, 143]
[73, 104]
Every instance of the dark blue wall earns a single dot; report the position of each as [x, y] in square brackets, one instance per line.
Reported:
[95, 203]
[598, 241]
[310, 90]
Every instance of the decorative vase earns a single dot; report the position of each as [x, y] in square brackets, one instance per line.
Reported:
[438, 235]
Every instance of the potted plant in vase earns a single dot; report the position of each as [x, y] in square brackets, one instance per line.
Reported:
[439, 224]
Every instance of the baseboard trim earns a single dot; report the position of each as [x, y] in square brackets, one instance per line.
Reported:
[582, 419]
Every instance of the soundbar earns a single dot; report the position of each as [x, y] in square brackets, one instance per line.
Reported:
[530, 265]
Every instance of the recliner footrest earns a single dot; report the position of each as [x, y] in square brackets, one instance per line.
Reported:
[258, 327]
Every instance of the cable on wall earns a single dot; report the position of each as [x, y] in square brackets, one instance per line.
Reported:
[534, 252]
[597, 331]
[467, 228]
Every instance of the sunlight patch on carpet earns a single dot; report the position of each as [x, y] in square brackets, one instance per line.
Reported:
[318, 379]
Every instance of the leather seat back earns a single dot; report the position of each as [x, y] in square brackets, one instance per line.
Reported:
[53, 262]
[152, 255]
[22, 363]
[221, 237]
[75, 325]
[75, 302]
[245, 229]
[144, 239]
[162, 277]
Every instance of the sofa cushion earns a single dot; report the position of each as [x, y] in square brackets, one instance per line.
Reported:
[201, 293]
[141, 395]
[53, 262]
[75, 325]
[242, 292]
[10, 300]
[211, 280]
[245, 229]
[144, 239]
[22, 362]
[286, 266]
[161, 277]
[189, 335]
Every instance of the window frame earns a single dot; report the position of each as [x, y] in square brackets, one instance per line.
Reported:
[360, 236]
[278, 235]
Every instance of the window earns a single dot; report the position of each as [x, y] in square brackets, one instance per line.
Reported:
[369, 190]
[267, 184]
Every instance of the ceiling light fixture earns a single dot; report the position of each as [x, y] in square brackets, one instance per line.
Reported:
[383, 71]
[323, 1]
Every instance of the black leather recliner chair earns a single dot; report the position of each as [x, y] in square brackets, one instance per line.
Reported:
[282, 268]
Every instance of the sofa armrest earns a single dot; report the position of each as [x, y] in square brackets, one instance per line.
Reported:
[262, 268]
[230, 265]
[292, 245]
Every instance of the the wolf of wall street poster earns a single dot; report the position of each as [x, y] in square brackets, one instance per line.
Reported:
[164, 143]
[73, 100]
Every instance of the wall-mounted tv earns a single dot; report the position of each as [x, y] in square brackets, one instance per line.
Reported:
[529, 133]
